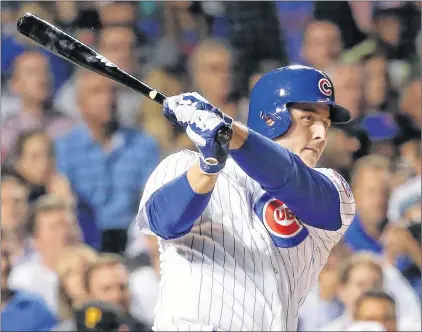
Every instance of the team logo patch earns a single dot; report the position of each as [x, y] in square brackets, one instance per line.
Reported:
[285, 229]
[325, 87]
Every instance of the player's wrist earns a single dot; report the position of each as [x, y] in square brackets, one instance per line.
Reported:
[239, 137]
[211, 166]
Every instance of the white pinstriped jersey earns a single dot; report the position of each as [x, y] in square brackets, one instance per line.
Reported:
[247, 264]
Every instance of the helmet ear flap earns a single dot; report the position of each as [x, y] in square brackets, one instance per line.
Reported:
[276, 122]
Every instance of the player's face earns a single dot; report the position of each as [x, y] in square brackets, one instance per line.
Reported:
[377, 310]
[307, 134]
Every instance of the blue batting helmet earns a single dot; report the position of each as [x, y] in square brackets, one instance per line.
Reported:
[276, 90]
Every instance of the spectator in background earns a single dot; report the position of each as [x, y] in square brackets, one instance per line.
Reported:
[14, 45]
[21, 311]
[322, 45]
[341, 13]
[35, 165]
[339, 152]
[376, 89]
[117, 12]
[14, 209]
[293, 16]
[383, 131]
[210, 73]
[411, 188]
[347, 79]
[79, 18]
[14, 201]
[379, 306]
[16, 242]
[31, 82]
[410, 104]
[356, 275]
[107, 279]
[118, 44]
[402, 239]
[365, 271]
[71, 290]
[150, 117]
[370, 186]
[402, 248]
[52, 227]
[255, 35]
[100, 316]
[322, 305]
[376, 306]
[392, 32]
[107, 164]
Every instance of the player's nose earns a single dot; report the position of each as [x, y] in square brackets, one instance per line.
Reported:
[319, 131]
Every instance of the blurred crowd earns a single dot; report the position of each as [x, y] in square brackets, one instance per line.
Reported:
[77, 148]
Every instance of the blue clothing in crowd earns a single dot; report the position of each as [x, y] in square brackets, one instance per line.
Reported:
[27, 312]
[357, 239]
[110, 182]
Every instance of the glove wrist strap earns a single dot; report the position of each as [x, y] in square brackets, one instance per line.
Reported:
[209, 167]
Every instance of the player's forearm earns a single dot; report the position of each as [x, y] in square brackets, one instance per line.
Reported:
[173, 209]
[200, 182]
[309, 194]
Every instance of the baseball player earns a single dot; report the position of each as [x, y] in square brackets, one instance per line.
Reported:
[245, 229]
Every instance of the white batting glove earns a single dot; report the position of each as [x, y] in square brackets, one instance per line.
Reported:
[202, 130]
[179, 109]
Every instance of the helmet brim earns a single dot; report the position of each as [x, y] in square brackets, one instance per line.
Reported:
[339, 114]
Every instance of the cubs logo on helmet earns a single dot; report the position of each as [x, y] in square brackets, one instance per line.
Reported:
[325, 87]
[285, 229]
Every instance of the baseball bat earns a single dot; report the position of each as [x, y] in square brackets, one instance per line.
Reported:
[69, 48]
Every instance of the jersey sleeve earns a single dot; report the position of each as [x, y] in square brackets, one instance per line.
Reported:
[326, 240]
[168, 169]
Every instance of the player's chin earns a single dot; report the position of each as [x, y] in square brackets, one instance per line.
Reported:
[309, 158]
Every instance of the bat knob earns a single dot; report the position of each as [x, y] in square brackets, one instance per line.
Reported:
[224, 136]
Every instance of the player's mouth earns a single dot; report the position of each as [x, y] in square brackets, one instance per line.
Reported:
[312, 149]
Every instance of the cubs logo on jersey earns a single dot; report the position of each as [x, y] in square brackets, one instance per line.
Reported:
[285, 229]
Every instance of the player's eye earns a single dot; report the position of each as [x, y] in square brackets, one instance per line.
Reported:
[308, 117]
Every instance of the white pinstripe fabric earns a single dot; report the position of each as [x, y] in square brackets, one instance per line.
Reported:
[227, 274]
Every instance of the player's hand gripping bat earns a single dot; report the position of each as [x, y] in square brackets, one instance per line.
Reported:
[60, 43]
